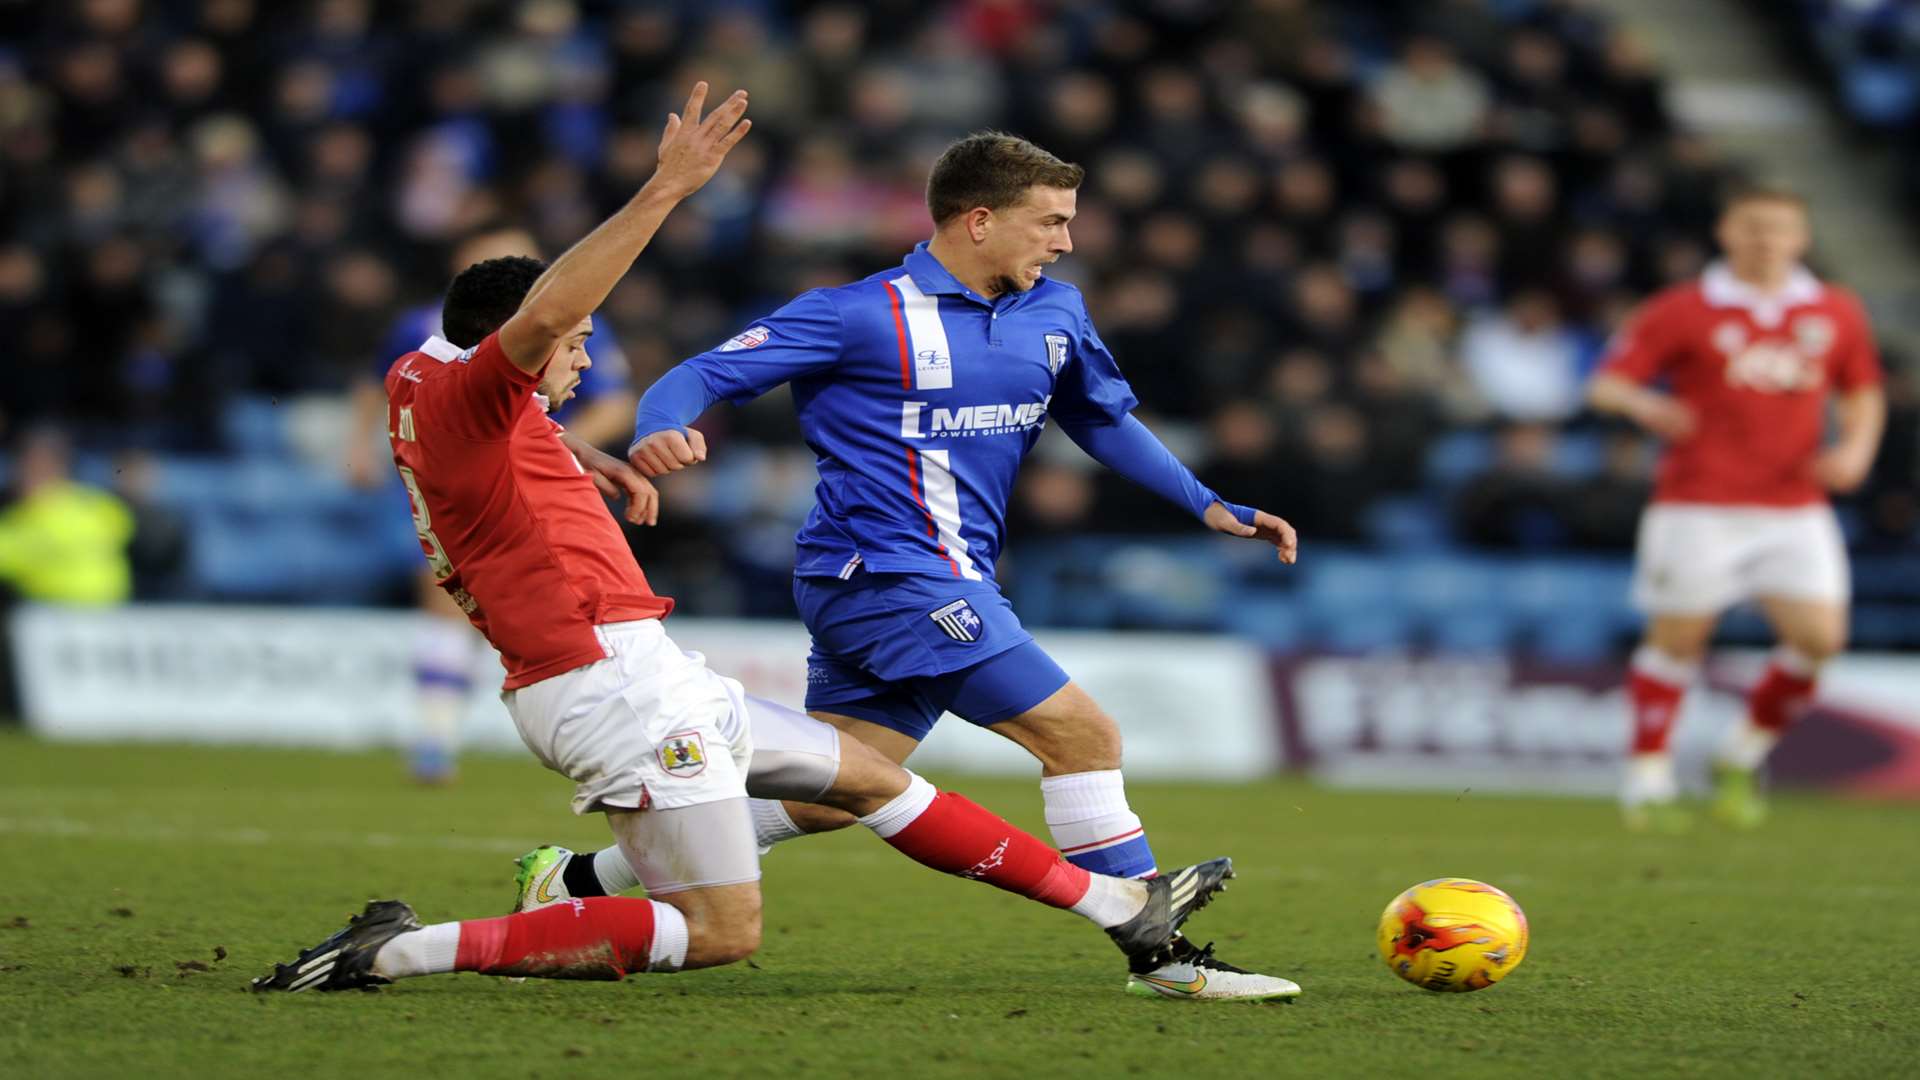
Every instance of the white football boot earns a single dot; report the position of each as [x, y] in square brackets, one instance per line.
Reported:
[1192, 974]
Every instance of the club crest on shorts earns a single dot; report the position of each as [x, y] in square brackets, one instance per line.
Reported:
[683, 754]
[958, 621]
[1056, 352]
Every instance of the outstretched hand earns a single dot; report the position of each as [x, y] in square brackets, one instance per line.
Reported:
[691, 149]
[1266, 527]
[617, 480]
[668, 451]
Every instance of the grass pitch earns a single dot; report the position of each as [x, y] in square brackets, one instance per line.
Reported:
[144, 886]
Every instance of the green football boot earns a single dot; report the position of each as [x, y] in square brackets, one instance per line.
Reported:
[540, 878]
[1737, 802]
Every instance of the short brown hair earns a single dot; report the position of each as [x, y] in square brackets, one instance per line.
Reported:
[994, 170]
[1761, 191]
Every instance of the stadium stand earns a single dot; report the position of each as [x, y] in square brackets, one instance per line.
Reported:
[1356, 258]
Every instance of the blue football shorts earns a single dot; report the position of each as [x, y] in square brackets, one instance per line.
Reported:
[901, 649]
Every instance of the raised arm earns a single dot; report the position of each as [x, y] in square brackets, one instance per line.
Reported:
[691, 150]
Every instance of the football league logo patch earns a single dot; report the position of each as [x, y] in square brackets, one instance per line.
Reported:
[1056, 352]
[751, 338]
[958, 621]
[684, 754]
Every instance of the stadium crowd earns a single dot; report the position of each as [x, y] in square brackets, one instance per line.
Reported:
[1331, 243]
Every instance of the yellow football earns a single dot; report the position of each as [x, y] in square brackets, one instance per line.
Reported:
[1453, 934]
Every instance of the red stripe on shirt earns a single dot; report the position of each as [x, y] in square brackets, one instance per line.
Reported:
[900, 332]
[913, 481]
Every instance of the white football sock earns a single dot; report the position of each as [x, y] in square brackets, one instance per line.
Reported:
[901, 812]
[771, 822]
[668, 952]
[1649, 778]
[427, 951]
[1111, 901]
[1746, 745]
[1088, 812]
[616, 874]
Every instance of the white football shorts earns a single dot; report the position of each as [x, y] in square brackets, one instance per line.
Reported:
[650, 726]
[1701, 559]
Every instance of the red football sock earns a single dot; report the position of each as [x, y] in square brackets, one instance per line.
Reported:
[1656, 705]
[1779, 698]
[602, 937]
[956, 835]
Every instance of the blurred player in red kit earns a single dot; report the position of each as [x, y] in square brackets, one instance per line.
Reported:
[1750, 355]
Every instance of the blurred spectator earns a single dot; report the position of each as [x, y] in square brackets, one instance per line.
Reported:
[62, 542]
[1365, 223]
[1603, 510]
[1428, 101]
[1518, 503]
[1523, 361]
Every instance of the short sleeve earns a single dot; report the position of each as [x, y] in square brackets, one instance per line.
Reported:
[1090, 389]
[1857, 364]
[801, 338]
[1644, 347]
[489, 392]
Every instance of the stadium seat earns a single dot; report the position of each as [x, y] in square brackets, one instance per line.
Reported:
[1456, 457]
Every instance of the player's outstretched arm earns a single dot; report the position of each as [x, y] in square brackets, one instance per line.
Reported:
[691, 150]
[1128, 448]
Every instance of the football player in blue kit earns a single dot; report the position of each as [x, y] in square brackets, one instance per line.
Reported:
[920, 389]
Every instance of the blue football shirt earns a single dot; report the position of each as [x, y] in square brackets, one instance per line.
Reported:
[919, 398]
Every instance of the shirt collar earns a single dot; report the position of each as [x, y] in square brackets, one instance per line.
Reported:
[933, 278]
[441, 349]
[1720, 288]
[936, 280]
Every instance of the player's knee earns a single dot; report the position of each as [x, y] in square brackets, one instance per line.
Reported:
[1090, 745]
[723, 939]
[809, 818]
[1820, 643]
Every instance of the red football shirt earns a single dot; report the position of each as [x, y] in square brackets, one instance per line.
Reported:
[511, 525]
[1756, 370]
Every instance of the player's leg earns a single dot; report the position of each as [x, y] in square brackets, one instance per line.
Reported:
[1801, 577]
[1686, 573]
[948, 832]
[1662, 668]
[1025, 696]
[698, 862]
[443, 658]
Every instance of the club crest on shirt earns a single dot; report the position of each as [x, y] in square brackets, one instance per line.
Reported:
[958, 621]
[751, 338]
[683, 754]
[1056, 352]
[1814, 334]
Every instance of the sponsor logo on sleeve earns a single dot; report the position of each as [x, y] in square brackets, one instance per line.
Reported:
[751, 338]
